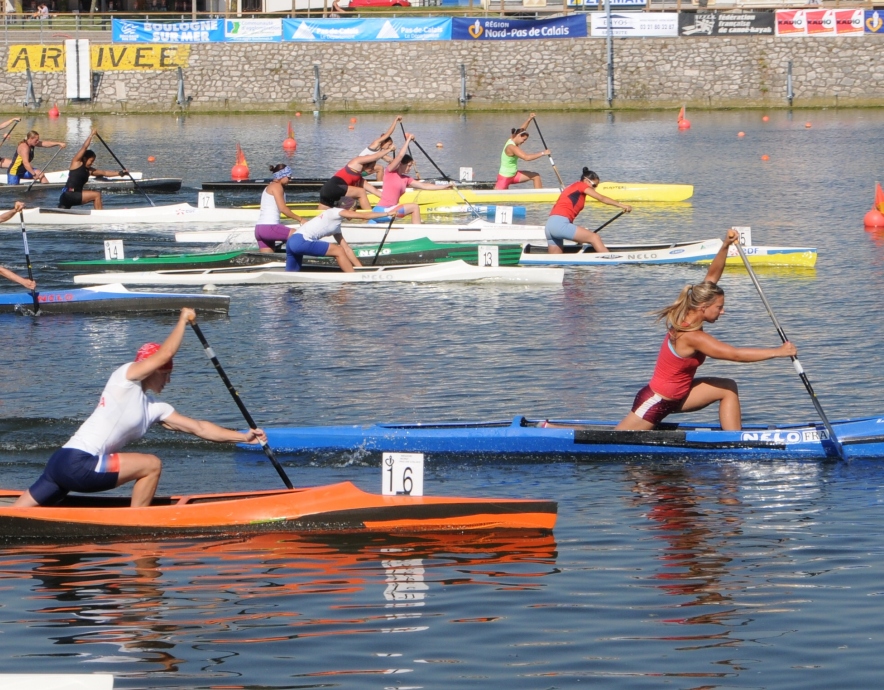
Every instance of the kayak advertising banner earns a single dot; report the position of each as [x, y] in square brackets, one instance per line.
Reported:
[253, 30]
[202, 31]
[821, 22]
[336, 30]
[726, 23]
[495, 29]
[635, 24]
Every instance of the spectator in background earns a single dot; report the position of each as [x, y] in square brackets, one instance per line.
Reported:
[42, 12]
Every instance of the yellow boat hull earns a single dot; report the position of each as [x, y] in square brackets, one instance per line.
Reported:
[666, 193]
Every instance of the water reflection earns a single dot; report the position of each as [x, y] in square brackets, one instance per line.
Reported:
[174, 607]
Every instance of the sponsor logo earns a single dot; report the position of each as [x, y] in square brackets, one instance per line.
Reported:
[66, 297]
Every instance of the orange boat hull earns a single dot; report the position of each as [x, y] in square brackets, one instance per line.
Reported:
[334, 508]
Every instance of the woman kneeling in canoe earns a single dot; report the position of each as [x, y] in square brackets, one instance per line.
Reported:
[269, 232]
[509, 173]
[397, 180]
[307, 240]
[673, 387]
[350, 182]
[91, 460]
[560, 225]
[81, 169]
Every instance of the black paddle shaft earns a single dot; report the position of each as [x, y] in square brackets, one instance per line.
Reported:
[24, 236]
[123, 167]
[551, 161]
[384, 239]
[210, 353]
[798, 368]
[446, 177]
[405, 136]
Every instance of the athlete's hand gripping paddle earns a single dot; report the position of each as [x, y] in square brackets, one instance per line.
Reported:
[798, 368]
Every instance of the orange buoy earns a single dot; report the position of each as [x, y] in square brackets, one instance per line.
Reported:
[151, 159]
[683, 122]
[765, 118]
[765, 157]
[438, 144]
[741, 134]
[53, 111]
[289, 143]
[874, 219]
[353, 120]
[298, 114]
[808, 125]
[351, 127]
[240, 170]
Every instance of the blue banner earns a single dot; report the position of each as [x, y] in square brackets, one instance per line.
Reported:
[874, 22]
[417, 29]
[202, 31]
[466, 29]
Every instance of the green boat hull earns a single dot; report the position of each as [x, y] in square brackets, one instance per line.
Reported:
[392, 253]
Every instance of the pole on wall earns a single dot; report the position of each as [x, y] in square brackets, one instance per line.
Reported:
[610, 49]
[789, 93]
[464, 96]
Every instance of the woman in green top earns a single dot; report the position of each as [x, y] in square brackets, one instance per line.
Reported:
[509, 172]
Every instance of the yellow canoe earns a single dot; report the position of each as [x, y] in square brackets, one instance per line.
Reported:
[619, 191]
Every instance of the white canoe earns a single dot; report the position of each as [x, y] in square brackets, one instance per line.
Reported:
[275, 273]
[160, 214]
[668, 253]
[365, 233]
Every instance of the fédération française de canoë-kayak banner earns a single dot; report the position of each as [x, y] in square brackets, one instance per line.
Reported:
[496, 29]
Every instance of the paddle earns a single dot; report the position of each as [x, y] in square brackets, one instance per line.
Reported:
[6, 136]
[45, 168]
[404, 136]
[446, 177]
[24, 236]
[551, 161]
[123, 167]
[384, 239]
[798, 368]
[599, 229]
[210, 353]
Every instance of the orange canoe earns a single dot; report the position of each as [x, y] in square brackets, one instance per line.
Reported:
[334, 508]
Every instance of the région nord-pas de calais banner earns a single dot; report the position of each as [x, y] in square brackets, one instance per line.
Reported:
[494, 29]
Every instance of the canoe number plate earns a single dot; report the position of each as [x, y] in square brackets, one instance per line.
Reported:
[402, 474]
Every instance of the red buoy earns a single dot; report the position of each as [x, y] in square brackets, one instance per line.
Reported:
[874, 219]
[289, 143]
[53, 111]
[683, 122]
[240, 171]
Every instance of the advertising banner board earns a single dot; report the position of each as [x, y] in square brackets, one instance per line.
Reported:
[495, 29]
[635, 24]
[726, 23]
[344, 30]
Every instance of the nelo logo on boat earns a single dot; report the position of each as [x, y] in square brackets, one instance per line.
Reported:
[798, 436]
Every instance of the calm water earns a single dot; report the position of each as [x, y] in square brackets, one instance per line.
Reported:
[696, 574]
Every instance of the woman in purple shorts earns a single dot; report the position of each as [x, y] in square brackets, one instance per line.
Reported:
[91, 460]
[270, 233]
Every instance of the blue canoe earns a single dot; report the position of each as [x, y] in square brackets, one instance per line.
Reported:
[108, 298]
[522, 437]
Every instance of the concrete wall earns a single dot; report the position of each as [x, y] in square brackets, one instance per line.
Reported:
[565, 74]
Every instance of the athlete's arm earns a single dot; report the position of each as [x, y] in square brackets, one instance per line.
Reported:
[138, 371]
[210, 431]
[712, 347]
[716, 268]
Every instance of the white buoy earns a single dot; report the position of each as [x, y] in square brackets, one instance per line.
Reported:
[210, 288]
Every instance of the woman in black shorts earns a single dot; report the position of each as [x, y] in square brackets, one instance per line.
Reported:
[78, 175]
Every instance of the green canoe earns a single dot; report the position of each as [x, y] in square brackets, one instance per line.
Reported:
[393, 253]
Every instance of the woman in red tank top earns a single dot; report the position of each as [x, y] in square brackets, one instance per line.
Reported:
[673, 387]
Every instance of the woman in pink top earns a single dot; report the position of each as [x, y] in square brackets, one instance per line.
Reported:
[673, 387]
[396, 181]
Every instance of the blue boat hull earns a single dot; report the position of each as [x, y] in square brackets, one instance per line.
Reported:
[108, 298]
[522, 437]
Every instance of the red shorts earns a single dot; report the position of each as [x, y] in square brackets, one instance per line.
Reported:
[652, 407]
